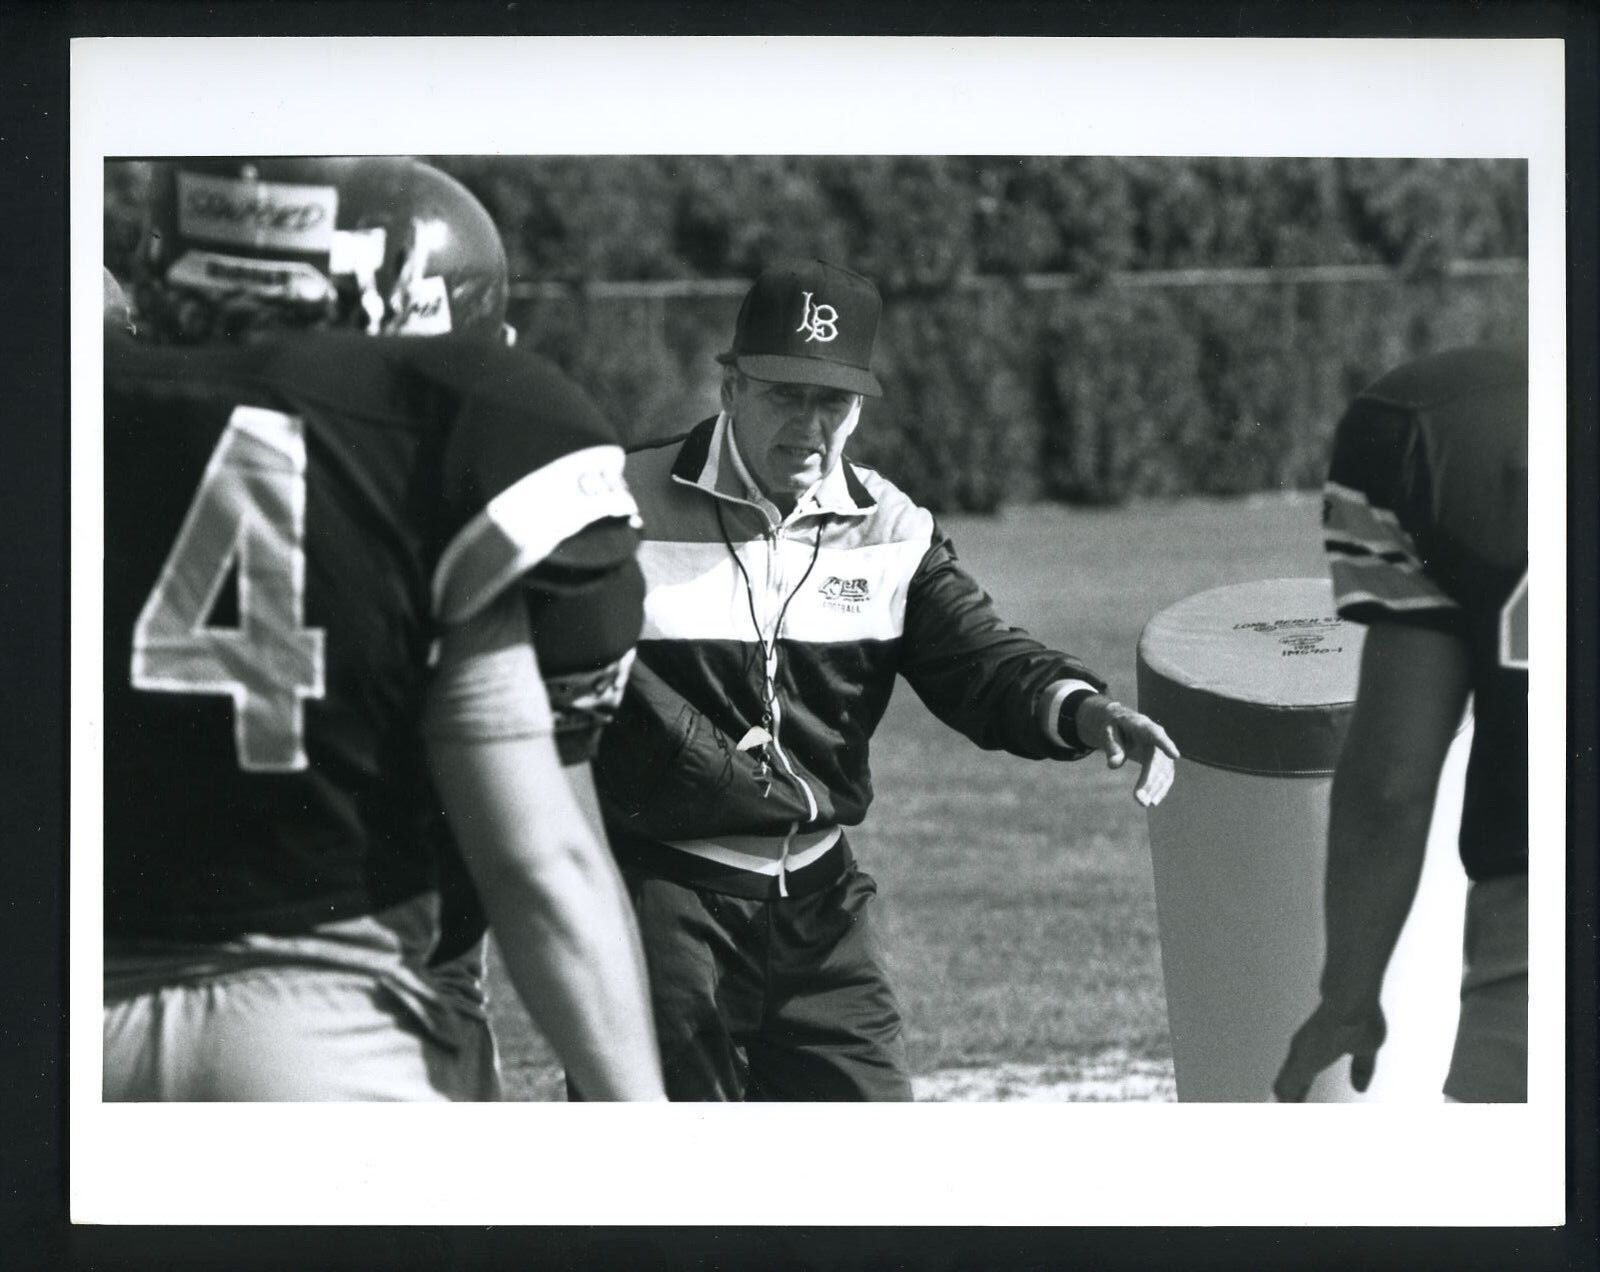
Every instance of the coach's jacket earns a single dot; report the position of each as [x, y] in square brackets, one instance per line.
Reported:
[768, 654]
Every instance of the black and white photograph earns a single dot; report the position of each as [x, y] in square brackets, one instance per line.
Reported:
[847, 605]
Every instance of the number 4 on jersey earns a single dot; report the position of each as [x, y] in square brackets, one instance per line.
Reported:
[1514, 628]
[250, 510]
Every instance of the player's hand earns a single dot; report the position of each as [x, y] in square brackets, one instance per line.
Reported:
[1123, 734]
[1328, 1036]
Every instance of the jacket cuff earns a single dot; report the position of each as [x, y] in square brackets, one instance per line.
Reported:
[1060, 702]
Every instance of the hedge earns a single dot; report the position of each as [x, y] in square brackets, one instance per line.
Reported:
[1100, 390]
[1089, 395]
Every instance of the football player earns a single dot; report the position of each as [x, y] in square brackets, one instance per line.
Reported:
[326, 555]
[1426, 524]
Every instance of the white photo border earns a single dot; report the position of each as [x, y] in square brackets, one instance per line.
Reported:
[825, 1164]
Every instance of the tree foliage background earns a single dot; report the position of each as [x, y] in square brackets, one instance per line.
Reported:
[1093, 387]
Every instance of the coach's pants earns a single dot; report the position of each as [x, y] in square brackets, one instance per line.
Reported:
[290, 1033]
[779, 999]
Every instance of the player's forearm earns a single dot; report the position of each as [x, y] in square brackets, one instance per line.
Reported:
[557, 907]
[572, 951]
[1414, 685]
[1376, 844]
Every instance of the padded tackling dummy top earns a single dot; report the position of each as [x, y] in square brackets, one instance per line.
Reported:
[1255, 678]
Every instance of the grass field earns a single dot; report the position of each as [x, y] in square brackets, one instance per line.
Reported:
[1016, 897]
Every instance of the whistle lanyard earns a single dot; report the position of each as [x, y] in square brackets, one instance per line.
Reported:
[769, 651]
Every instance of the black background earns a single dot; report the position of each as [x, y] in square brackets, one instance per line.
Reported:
[33, 660]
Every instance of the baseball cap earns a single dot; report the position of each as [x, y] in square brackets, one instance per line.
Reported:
[808, 322]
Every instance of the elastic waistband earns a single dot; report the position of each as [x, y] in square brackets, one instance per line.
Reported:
[825, 862]
[762, 854]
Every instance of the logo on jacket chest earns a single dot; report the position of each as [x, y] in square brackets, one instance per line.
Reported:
[846, 595]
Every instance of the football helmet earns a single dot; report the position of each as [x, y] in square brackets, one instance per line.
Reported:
[389, 246]
[116, 310]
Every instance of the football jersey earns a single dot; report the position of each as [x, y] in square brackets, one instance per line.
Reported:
[1426, 521]
[287, 526]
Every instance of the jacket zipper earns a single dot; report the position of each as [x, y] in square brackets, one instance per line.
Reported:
[769, 671]
[775, 572]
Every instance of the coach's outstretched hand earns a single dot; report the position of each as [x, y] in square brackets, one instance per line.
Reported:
[1324, 1039]
[1123, 734]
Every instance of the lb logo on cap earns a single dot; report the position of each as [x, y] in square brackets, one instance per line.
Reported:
[819, 322]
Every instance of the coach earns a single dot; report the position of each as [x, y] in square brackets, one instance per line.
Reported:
[786, 588]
